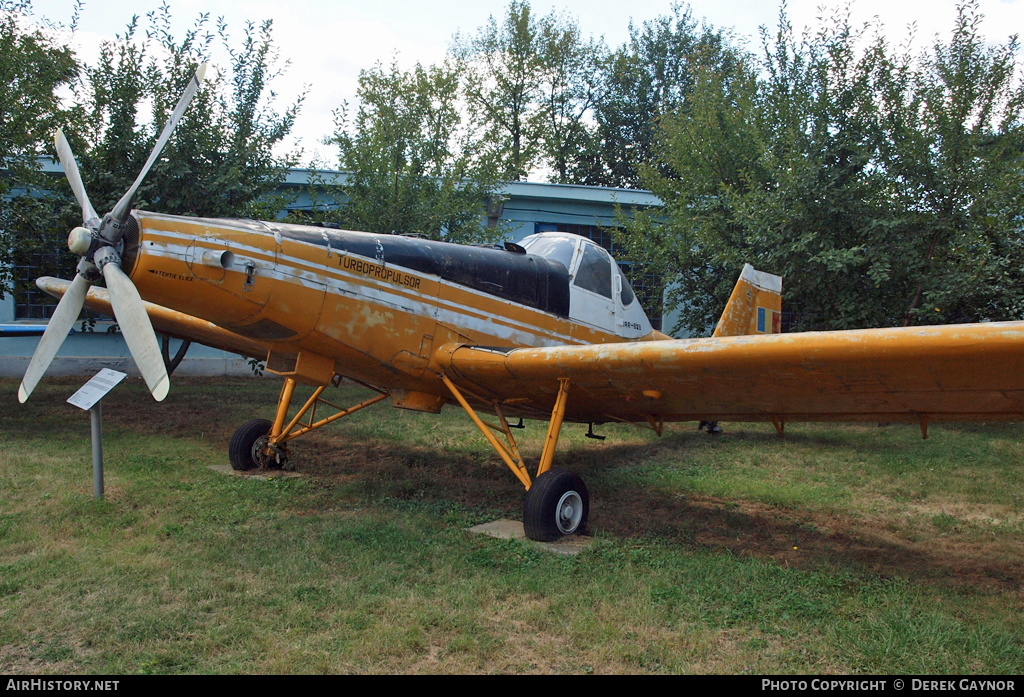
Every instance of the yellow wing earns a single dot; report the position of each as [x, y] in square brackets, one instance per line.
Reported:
[947, 373]
[166, 321]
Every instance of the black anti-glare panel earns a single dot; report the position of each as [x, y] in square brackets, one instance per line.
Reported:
[522, 278]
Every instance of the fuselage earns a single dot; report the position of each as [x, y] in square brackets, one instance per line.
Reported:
[374, 308]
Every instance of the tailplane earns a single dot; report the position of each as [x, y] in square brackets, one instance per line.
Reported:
[755, 306]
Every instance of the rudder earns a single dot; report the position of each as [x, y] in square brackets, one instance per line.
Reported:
[755, 306]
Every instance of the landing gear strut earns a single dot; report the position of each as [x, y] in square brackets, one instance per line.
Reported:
[262, 444]
[557, 502]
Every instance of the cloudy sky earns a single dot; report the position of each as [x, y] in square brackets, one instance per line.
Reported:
[329, 41]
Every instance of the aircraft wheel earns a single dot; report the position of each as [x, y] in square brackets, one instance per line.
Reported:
[557, 504]
[246, 448]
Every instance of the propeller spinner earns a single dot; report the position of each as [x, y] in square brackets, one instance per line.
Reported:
[96, 241]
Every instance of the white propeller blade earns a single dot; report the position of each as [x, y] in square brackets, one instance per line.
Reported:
[137, 329]
[60, 324]
[124, 297]
[67, 161]
[121, 209]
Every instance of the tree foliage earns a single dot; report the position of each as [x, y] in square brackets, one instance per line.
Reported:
[648, 77]
[222, 160]
[34, 67]
[502, 67]
[412, 166]
[953, 149]
[533, 83]
[570, 90]
[882, 187]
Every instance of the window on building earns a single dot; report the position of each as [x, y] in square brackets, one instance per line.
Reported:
[29, 301]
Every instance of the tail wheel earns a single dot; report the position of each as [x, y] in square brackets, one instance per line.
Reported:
[557, 504]
[247, 449]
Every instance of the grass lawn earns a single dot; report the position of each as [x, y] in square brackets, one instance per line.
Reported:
[839, 549]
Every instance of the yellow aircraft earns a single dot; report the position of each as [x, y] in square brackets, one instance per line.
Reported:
[548, 329]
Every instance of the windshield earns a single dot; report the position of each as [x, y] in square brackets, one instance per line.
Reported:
[558, 249]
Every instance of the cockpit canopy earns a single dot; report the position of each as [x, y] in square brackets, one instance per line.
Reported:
[599, 293]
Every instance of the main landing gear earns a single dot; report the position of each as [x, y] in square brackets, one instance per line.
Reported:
[556, 505]
[557, 502]
[262, 444]
[249, 449]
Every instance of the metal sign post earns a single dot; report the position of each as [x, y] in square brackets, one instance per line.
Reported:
[96, 420]
[90, 397]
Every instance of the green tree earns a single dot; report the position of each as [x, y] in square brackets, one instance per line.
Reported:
[873, 183]
[34, 67]
[413, 168]
[222, 160]
[502, 67]
[651, 75]
[705, 161]
[570, 88]
[533, 84]
[953, 147]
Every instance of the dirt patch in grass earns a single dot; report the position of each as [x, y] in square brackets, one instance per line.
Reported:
[888, 544]
[814, 540]
[53, 658]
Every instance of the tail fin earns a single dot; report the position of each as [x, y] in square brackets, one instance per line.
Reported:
[755, 306]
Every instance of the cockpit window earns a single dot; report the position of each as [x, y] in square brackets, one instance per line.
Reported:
[557, 249]
[595, 273]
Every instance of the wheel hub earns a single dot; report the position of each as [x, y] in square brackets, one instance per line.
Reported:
[569, 511]
[266, 455]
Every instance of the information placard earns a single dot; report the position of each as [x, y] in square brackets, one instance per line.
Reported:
[97, 388]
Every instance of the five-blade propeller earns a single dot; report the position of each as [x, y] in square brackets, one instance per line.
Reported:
[97, 242]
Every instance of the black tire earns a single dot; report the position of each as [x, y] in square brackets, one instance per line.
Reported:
[556, 505]
[240, 450]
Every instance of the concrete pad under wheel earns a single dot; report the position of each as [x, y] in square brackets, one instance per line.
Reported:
[513, 530]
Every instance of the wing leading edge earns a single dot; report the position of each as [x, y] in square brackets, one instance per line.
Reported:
[947, 373]
[165, 321]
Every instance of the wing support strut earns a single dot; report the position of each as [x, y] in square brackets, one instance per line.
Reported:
[281, 433]
[510, 453]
